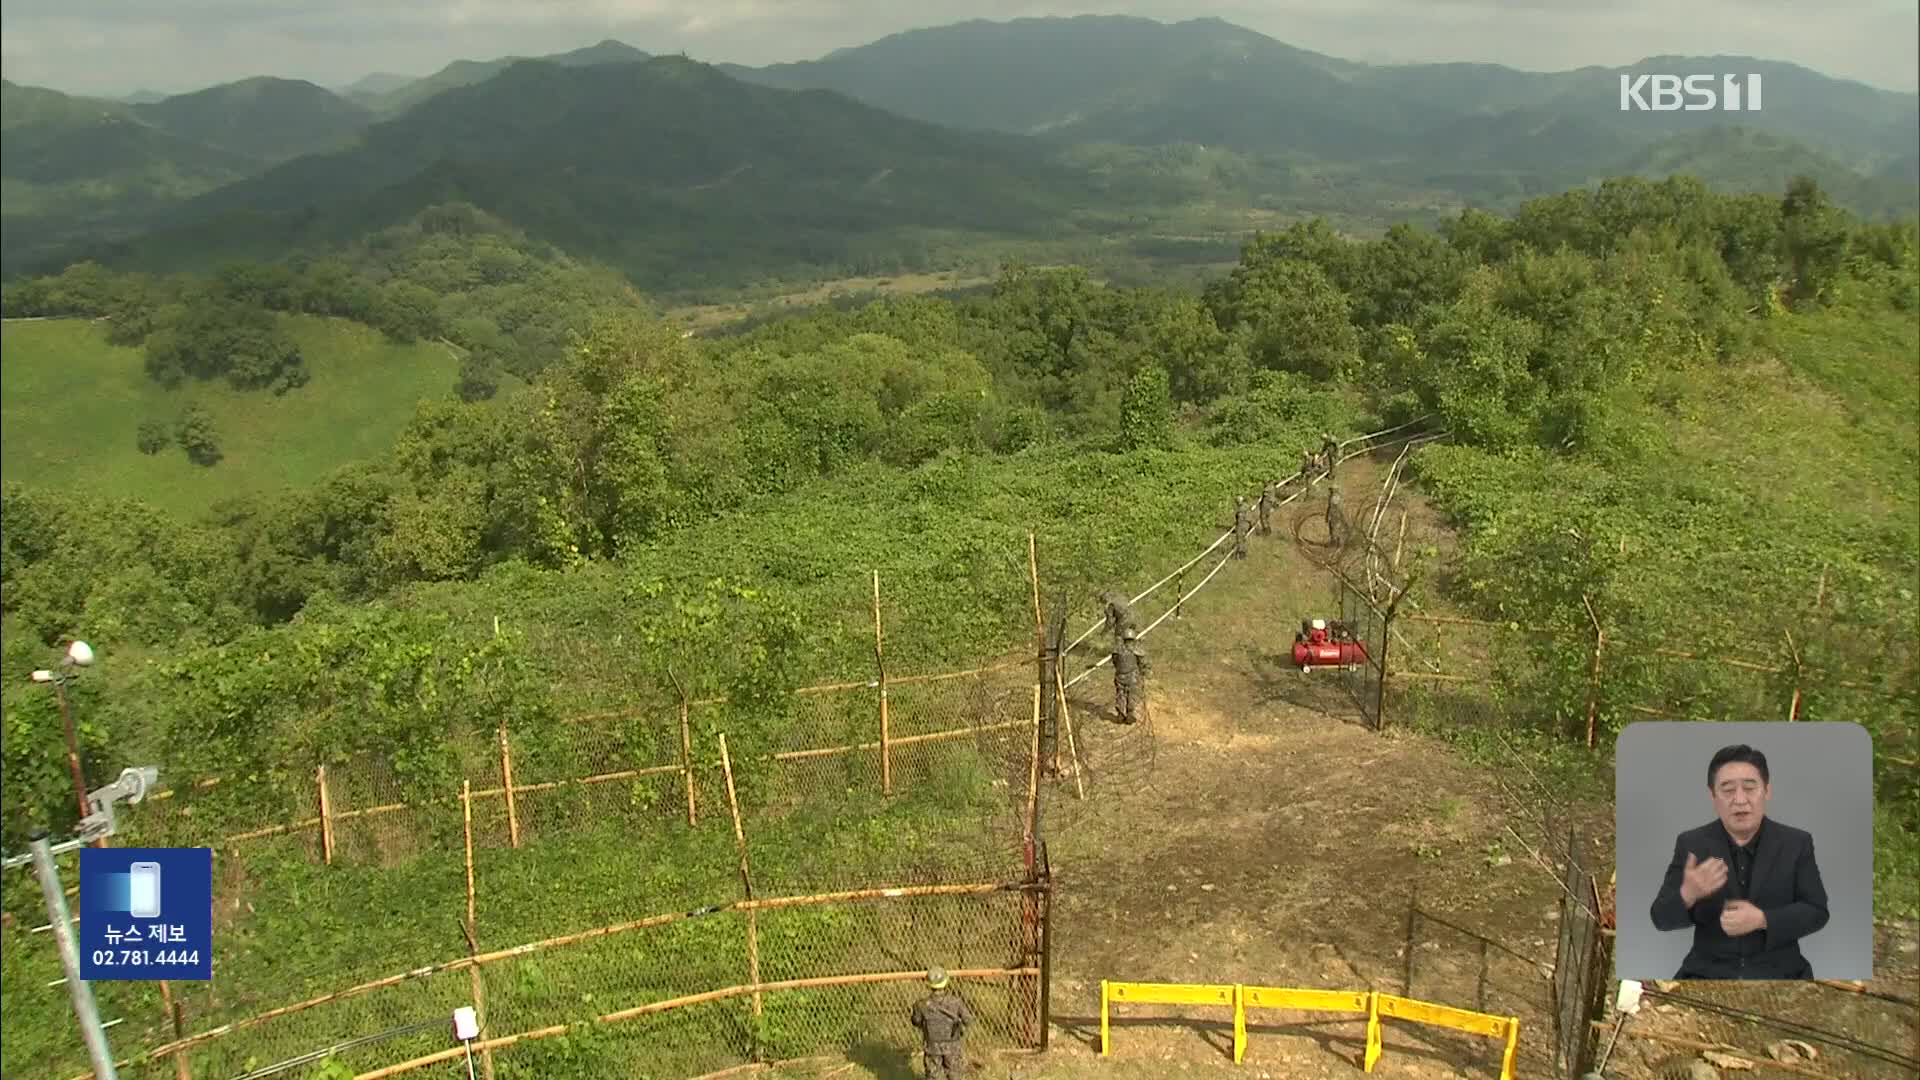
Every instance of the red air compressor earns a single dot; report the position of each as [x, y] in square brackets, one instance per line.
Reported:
[1317, 645]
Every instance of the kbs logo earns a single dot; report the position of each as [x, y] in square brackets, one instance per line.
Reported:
[1692, 93]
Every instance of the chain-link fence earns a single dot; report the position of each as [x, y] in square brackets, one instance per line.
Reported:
[1580, 966]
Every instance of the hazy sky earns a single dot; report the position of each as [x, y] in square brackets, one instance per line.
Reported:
[118, 46]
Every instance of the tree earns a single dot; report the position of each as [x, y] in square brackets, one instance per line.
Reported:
[480, 375]
[153, 436]
[197, 436]
[1290, 317]
[1814, 236]
[1146, 413]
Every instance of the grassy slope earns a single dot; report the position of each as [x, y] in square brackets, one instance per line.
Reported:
[72, 404]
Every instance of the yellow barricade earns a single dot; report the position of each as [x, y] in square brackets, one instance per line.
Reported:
[1240, 998]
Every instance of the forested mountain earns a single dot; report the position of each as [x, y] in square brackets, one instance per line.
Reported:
[662, 167]
[264, 118]
[406, 93]
[1134, 80]
[74, 166]
[1035, 130]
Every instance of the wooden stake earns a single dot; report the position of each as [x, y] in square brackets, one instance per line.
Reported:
[1402, 542]
[326, 816]
[1066, 721]
[1033, 774]
[1593, 675]
[466, 814]
[1820, 597]
[473, 938]
[181, 1070]
[880, 662]
[506, 780]
[1039, 645]
[1793, 708]
[686, 744]
[746, 887]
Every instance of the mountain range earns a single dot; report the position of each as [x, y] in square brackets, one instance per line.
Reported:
[979, 128]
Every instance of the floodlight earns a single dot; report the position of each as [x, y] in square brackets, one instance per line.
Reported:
[43, 675]
[80, 654]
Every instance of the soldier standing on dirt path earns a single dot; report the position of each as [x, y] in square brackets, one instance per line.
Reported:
[1329, 453]
[1336, 518]
[1242, 525]
[1269, 498]
[1130, 678]
[942, 1018]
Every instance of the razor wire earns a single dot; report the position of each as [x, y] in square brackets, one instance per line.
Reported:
[1365, 443]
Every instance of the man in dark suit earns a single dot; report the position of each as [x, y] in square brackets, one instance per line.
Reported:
[1747, 886]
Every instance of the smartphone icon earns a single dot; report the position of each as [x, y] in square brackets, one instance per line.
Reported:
[144, 890]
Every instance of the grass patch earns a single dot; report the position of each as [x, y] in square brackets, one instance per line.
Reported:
[71, 406]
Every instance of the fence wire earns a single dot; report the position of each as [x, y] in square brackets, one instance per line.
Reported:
[339, 919]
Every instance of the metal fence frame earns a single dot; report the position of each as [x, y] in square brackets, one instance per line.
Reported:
[1372, 626]
[1579, 968]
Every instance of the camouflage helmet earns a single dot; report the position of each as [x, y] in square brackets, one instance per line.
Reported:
[937, 978]
[1130, 633]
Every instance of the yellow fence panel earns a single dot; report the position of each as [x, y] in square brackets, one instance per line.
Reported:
[1423, 1012]
[1112, 993]
[1374, 1005]
[1272, 997]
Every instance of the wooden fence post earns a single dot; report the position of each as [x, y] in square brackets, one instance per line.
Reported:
[1793, 708]
[746, 888]
[326, 815]
[686, 744]
[1066, 721]
[472, 934]
[1039, 623]
[181, 1070]
[1593, 673]
[880, 662]
[506, 781]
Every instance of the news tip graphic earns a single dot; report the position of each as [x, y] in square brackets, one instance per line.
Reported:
[146, 913]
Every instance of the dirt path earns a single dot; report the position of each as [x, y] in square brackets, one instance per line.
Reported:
[1253, 831]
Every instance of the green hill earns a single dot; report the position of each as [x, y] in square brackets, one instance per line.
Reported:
[263, 118]
[73, 404]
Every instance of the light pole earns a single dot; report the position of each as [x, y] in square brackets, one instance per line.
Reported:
[98, 823]
[79, 655]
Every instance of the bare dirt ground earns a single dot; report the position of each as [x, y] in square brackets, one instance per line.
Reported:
[1254, 831]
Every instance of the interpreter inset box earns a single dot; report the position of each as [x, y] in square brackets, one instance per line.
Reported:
[146, 913]
[1744, 851]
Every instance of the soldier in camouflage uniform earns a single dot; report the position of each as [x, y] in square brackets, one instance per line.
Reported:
[1130, 678]
[1309, 466]
[1242, 525]
[1329, 453]
[1336, 518]
[1269, 498]
[942, 1018]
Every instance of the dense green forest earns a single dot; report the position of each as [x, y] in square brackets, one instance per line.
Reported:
[638, 465]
